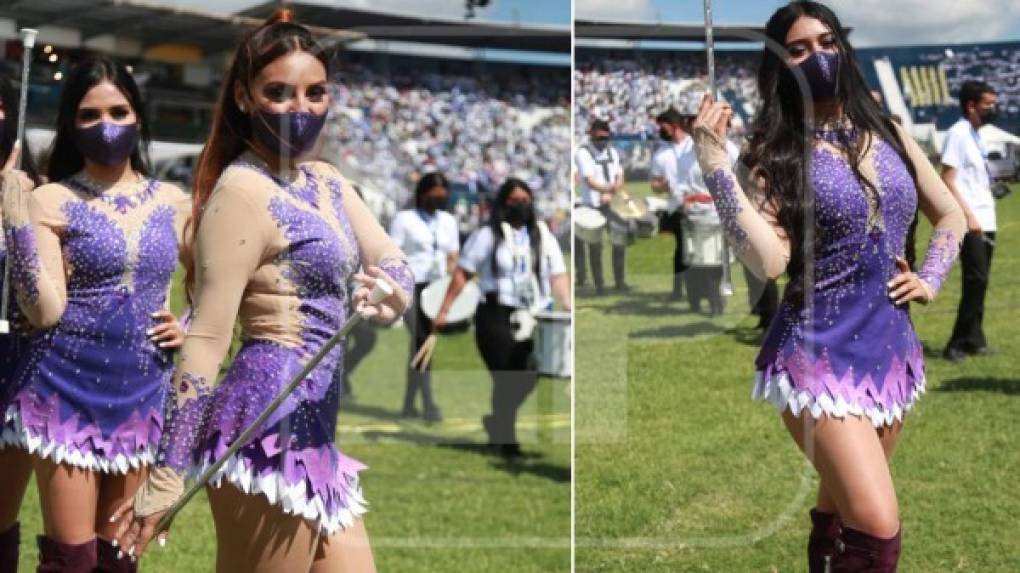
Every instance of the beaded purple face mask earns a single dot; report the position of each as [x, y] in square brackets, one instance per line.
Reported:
[292, 132]
[821, 70]
[107, 143]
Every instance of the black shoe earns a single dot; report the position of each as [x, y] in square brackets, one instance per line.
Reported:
[410, 412]
[981, 351]
[954, 354]
[600, 290]
[676, 296]
[432, 414]
[581, 283]
[511, 451]
[623, 288]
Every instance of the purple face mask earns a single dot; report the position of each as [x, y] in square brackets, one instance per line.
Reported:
[821, 70]
[291, 133]
[107, 143]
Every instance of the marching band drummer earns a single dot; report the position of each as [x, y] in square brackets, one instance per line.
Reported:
[600, 171]
[698, 207]
[428, 235]
[665, 179]
[520, 265]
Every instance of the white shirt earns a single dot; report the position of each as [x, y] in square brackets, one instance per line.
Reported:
[604, 166]
[678, 163]
[665, 164]
[514, 280]
[964, 151]
[693, 180]
[426, 240]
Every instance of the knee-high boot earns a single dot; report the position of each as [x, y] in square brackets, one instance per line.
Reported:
[859, 552]
[10, 542]
[825, 528]
[108, 562]
[56, 557]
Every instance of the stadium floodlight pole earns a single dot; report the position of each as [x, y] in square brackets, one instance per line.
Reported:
[27, 43]
[379, 293]
[727, 282]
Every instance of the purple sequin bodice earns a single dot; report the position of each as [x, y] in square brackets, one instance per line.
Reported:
[838, 336]
[93, 386]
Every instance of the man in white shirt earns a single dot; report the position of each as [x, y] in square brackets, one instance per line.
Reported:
[600, 174]
[666, 179]
[965, 172]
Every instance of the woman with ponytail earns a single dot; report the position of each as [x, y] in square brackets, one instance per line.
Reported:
[830, 190]
[15, 461]
[92, 254]
[277, 243]
[521, 268]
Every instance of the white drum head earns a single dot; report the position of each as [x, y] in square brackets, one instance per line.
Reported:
[463, 307]
[588, 224]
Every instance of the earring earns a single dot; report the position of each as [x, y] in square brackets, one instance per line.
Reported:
[240, 106]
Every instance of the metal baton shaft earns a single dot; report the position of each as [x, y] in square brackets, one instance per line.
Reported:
[710, 50]
[378, 294]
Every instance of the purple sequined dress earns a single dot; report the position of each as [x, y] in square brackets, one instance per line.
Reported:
[13, 347]
[292, 461]
[840, 346]
[92, 388]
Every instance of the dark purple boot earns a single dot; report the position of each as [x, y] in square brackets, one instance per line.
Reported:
[858, 552]
[10, 542]
[55, 557]
[108, 562]
[825, 528]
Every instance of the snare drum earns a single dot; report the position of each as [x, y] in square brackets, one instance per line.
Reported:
[589, 224]
[554, 347]
[647, 226]
[703, 244]
[463, 307]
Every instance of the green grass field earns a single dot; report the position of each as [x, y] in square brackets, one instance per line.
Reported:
[436, 502]
[678, 470]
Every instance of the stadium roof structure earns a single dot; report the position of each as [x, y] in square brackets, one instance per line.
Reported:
[147, 23]
[660, 31]
[381, 25]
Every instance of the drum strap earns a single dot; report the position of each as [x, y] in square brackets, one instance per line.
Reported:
[606, 162]
[433, 227]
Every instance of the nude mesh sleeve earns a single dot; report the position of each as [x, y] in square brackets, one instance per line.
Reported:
[233, 236]
[374, 245]
[945, 214]
[32, 222]
[749, 226]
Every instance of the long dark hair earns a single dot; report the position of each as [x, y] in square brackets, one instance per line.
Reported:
[230, 133]
[428, 181]
[65, 159]
[498, 217]
[9, 96]
[779, 140]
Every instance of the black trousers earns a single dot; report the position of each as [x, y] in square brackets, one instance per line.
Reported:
[762, 297]
[359, 344]
[976, 260]
[509, 364]
[674, 223]
[704, 283]
[594, 254]
[420, 326]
